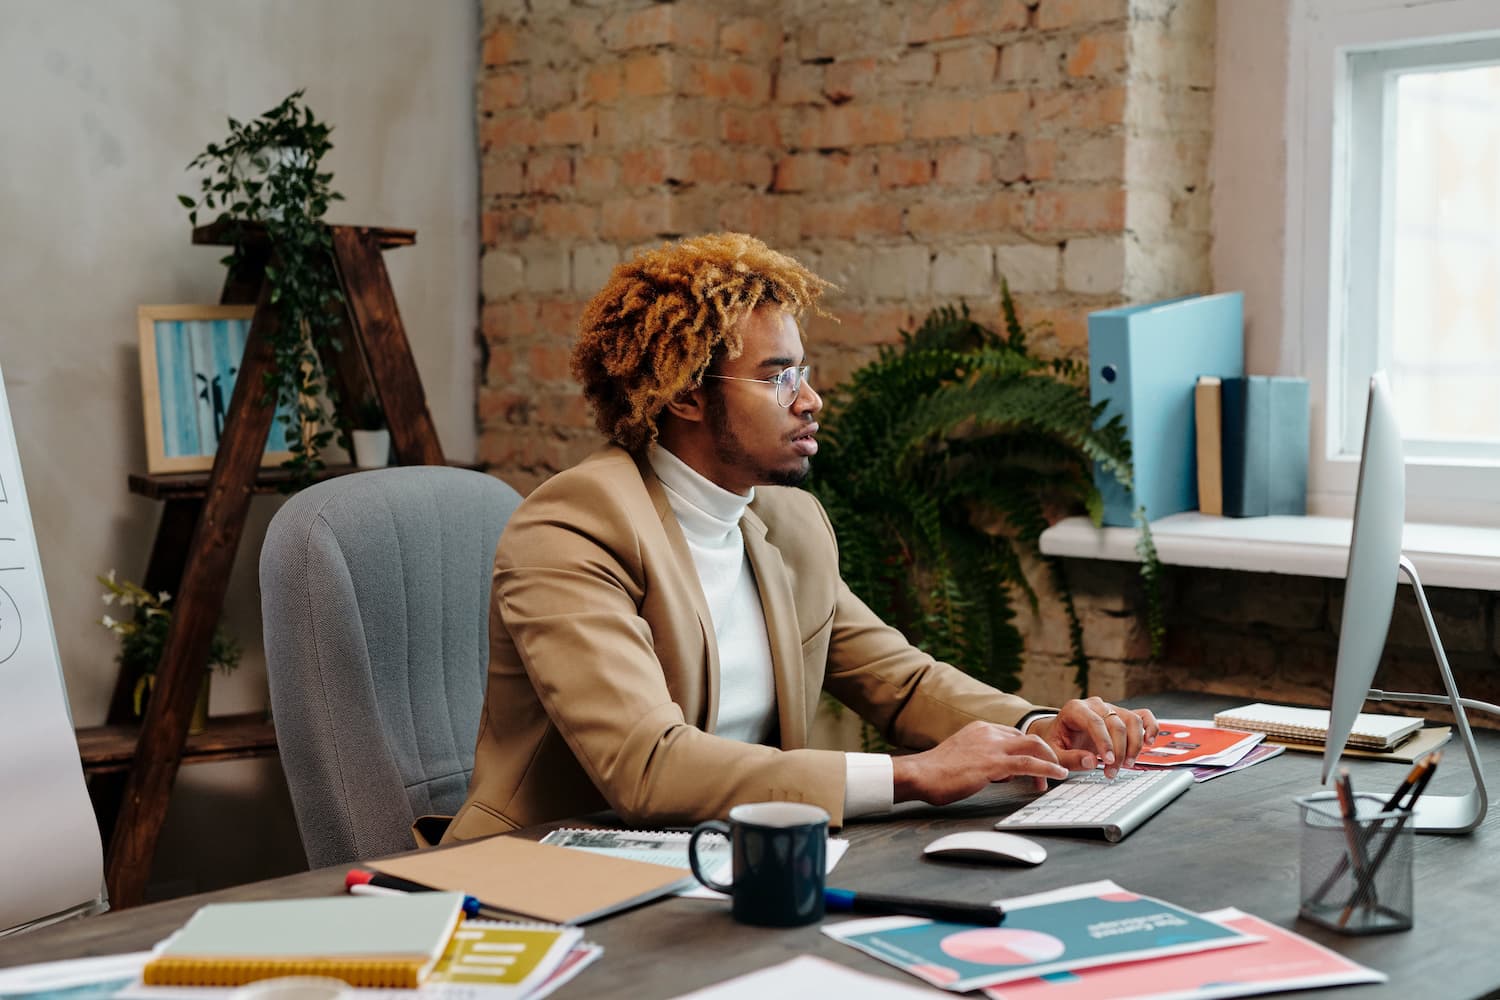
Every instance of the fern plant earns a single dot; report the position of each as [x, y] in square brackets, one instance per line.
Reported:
[941, 462]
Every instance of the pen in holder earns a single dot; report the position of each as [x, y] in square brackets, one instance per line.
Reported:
[1356, 870]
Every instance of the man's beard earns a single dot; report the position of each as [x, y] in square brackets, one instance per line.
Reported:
[730, 451]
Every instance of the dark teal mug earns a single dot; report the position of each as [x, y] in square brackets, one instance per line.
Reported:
[780, 857]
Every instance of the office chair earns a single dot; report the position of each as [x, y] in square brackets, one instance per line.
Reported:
[375, 595]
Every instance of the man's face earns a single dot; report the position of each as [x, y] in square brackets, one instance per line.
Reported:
[757, 441]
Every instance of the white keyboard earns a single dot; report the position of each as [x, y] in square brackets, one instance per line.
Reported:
[1088, 802]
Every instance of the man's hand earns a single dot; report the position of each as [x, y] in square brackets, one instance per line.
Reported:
[1088, 730]
[970, 759]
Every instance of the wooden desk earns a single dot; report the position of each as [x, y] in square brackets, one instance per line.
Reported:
[1232, 841]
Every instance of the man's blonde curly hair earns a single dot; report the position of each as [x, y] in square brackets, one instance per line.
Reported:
[666, 314]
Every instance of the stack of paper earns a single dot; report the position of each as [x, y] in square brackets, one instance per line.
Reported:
[1197, 744]
[1098, 939]
[1207, 751]
[484, 960]
[1281, 960]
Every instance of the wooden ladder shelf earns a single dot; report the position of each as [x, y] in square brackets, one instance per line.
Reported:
[132, 768]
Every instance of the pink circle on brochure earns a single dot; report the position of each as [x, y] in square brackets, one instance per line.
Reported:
[999, 946]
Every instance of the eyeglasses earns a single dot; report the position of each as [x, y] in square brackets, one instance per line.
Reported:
[788, 382]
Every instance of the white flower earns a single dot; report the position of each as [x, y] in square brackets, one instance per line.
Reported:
[109, 598]
[108, 622]
[163, 597]
[110, 576]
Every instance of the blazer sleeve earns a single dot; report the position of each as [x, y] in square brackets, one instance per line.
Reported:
[570, 602]
[912, 699]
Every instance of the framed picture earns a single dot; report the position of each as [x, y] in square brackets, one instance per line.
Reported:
[189, 358]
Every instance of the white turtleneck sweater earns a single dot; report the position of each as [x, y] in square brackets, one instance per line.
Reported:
[710, 520]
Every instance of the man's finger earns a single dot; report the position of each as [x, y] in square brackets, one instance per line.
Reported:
[1148, 720]
[1033, 746]
[1095, 724]
[1078, 760]
[1023, 764]
[1134, 734]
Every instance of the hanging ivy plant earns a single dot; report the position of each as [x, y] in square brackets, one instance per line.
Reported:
[266, 174]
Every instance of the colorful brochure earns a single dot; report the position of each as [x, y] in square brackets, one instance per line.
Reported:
[1097, 923]
[1281, 961]
[1180, 743]
[1258, 753]
[808, 976]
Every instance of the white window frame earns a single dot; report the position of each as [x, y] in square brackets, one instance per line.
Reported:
[1321, 110]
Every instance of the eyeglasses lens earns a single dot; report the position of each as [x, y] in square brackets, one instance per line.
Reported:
[789, 384]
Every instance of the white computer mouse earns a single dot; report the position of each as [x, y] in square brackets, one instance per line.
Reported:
[989, 846]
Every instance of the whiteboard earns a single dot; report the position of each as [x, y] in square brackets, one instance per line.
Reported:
[49, 840]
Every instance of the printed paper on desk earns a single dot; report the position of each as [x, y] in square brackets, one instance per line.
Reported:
[1258, 753]
[1180, 743]
[74, 978]
[484, 960]
[1097, 923]
[808, 976]
[1282, 961]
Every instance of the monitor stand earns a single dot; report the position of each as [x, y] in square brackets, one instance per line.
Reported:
[1444, 813]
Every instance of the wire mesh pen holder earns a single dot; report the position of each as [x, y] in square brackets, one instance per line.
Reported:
[1356, 874]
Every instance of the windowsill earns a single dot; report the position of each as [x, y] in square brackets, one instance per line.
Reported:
[1445, 555]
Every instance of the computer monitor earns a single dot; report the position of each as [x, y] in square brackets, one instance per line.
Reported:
[1369, 596]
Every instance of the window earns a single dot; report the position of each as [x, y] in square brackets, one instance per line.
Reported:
[1394, 240]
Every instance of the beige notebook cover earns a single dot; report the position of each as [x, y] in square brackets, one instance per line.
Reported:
[556, 884]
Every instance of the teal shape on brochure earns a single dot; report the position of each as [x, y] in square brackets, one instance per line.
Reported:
[1143, 363]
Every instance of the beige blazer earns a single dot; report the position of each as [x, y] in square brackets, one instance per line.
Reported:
[604, 675]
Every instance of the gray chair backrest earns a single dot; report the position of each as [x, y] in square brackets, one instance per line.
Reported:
[375, 595]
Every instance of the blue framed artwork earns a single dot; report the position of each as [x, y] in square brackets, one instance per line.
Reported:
[190, 356]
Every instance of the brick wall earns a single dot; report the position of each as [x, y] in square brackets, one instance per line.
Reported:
[1259, 636]
[911, 152]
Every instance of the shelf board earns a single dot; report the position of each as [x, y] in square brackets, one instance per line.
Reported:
[223, 233]
[228, 737]
[194, 485]
[1445, 555]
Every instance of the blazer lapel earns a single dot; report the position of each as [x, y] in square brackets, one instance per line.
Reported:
[781, 629]
[684, 560]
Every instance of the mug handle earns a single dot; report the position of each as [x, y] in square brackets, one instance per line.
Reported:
[708, 826]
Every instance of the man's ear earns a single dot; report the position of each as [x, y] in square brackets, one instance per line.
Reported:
[688, 406]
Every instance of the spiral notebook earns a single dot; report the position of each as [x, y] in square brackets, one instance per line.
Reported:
[1310, 725]
[380, 941]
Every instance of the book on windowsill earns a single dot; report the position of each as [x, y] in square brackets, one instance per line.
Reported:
[391, 942]
[1310, 725]
[1207, 430]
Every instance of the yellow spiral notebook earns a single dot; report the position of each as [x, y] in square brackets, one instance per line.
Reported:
[380, 941]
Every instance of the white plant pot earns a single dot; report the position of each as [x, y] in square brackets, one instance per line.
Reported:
[372, 449]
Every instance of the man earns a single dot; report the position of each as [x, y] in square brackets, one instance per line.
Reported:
[666, 613]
